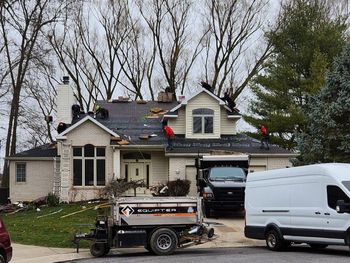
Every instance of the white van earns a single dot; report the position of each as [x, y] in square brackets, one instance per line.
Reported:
[306, 204]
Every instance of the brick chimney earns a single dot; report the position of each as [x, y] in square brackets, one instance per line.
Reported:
[65, 100]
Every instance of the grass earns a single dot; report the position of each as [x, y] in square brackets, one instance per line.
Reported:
[52, 230]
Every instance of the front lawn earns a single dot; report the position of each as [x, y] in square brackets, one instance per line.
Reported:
[52, 230]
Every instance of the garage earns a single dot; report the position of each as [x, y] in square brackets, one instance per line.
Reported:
[257, 169]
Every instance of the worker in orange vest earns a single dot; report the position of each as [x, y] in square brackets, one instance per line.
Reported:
[169, 134]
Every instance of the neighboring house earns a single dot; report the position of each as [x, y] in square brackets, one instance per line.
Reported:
[130, 144]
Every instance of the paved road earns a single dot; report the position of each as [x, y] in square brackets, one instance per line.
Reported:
[229, 255]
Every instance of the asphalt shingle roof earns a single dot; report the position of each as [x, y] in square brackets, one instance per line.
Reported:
[46, 150]
[130, 120]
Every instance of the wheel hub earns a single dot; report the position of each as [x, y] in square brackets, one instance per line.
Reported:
[271, 240]
[164, 241]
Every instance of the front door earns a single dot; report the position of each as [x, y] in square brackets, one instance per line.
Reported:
[137, 172]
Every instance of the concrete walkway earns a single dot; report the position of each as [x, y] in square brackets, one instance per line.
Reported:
[34, 254]
[229, 231]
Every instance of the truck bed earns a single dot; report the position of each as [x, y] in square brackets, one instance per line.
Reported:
[145, 211]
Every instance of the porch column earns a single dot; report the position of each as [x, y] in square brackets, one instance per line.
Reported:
[116, 163]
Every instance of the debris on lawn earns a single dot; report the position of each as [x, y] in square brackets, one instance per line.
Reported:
[83, 210]
[7, 208]
[56, 212]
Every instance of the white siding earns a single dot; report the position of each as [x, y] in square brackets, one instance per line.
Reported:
[39, 180]
[159, 168]
[203, 100]
[179, 124]
[228, 126]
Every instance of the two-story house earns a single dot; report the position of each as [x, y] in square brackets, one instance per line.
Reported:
[130, 143]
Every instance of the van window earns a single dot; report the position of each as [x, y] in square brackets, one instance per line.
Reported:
[346, 184]
[334, 193]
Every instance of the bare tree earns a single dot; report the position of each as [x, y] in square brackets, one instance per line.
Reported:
[234, 26]
[168, 22]
[88, 46]
[21, 26]
[132, 58]
[42, 90]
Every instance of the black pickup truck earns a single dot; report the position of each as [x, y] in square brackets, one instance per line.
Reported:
[221, 181]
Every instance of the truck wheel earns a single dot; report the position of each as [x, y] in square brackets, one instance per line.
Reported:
[99, 249]
[163, 241]
[318, 246]
[274, 241]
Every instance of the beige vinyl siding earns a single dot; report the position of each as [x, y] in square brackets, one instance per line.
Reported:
[89, 133]
[278, 162]
[228, 126]
[203, 100]
[159, 168]
[177, 167]
[268, 163]
[178, 124]
[39, 180]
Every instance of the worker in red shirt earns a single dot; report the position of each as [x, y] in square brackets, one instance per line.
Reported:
[264, 137]
[169, 134]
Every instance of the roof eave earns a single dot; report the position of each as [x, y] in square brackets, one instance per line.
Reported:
[24, 158]
[237, 117]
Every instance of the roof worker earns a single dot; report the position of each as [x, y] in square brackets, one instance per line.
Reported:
[264, 143]
[170, 135]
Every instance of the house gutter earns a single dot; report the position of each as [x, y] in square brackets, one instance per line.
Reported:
[23, 158]
[170, 154]
[158, 147]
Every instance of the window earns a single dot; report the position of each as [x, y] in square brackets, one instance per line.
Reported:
[89, 165]
[334, 193]
[203, 120]
[21, 172]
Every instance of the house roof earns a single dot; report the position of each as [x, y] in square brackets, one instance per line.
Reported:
[80, 121]
[46, 150]
[130, 120]
[137, 124]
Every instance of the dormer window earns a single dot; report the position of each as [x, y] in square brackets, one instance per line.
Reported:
[203, 120]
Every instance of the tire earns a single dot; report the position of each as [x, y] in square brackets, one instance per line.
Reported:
[318, 246]
[274, 241]
[163, 241]
[2, 259]
[99, 249]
